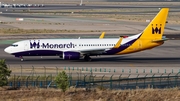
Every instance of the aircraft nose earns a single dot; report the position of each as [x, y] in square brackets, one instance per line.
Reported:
[7, 50]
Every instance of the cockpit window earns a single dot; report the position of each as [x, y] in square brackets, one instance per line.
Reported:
[14, 45]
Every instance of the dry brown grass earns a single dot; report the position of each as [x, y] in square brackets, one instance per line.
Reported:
[73, 94]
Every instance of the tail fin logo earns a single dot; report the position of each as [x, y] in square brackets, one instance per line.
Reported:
[157, 29]
[34, 44]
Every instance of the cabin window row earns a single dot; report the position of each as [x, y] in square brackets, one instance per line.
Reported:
[96, 44]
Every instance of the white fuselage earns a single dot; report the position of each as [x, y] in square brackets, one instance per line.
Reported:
[56, 47]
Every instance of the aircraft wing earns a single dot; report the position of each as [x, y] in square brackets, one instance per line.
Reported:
[93, 51]
[101, 50]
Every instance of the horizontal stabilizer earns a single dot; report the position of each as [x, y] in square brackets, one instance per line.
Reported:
[160, 40]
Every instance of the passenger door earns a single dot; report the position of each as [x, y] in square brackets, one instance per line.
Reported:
[26, 46]
[140, 44]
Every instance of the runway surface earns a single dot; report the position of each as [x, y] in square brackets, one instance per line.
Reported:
[21, 14]
[163, 57]
[61, 22]
[75, 7]
[14, 38]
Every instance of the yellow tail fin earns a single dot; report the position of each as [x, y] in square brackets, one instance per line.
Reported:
[155, 29]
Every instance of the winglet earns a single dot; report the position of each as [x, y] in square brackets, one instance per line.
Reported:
[118, 43]
[102, 35]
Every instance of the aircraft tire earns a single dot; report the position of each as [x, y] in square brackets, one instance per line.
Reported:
[22, 59]
[87, 58]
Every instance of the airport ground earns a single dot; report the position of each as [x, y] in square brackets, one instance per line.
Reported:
[67, 23]
[165, 57]
[113, 19]
[87, 24]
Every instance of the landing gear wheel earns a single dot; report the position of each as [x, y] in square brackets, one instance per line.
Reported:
[87, 58]
[22, 59]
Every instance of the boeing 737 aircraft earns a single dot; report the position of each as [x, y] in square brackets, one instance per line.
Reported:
[70, 49]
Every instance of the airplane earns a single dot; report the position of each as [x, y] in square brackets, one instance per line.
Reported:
[74, 49]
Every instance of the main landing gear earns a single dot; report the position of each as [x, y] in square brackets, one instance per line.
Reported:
[21, 58]
[87, 58]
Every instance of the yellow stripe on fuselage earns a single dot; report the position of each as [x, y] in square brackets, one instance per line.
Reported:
[140, 45]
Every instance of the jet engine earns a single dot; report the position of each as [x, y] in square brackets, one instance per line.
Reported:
[71, 55]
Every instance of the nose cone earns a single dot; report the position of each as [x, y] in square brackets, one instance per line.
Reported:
[7, 50]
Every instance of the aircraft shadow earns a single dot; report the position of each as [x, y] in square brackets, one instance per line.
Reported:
[122, 59]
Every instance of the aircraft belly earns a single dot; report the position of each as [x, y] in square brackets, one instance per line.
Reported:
[39, 53]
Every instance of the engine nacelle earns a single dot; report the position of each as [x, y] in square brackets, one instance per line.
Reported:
[71, 55]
